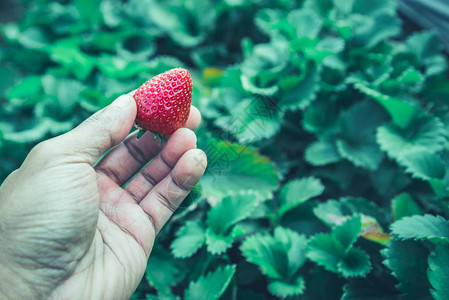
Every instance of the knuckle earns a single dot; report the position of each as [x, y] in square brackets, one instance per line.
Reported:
[185, 184]
[135, 151]
[43, 154]
[43, 149]
[165, 201]
[102, 123]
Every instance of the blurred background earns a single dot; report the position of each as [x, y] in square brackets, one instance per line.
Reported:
[314, 111]
[62, 60]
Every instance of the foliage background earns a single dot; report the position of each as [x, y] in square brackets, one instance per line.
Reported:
[325, 125]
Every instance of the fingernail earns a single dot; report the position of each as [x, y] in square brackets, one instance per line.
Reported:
[122, 101]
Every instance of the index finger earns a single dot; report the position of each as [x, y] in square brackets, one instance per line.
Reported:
[127, 158]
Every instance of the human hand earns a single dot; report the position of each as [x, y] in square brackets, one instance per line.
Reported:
[68, 229]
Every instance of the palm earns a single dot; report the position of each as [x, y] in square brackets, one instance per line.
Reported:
[130, 217]
[74, 229]
[115, 261]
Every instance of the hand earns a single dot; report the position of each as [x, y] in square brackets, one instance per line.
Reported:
[68, 227]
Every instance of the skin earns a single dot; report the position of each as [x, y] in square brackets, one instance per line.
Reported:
[69, 226]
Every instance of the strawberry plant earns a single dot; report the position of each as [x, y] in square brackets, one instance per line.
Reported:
[324, 122]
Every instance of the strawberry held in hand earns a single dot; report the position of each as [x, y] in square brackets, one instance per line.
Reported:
[163, 102]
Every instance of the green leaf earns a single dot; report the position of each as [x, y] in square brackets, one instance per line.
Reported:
[80, 64]
[424, 44]
[348, 232]
[88, 9]
[266, 19]
[219, 243]
[234, 168]
[331, 45]
[437, 273]
[322, 153]
[28, 87]
[263, 251]
[344, 6]
[9, 78]
[279, 256]
[304, 91]
[369, 32]
[284, 290]
[401, 112]
[31, 38]
[427, 133]
[121, 67]
[335, 213]
[434, 228]
[365, 155]
[185, 23]
[231, 210]
[408, 262]
[403, 205]
[427, 47]
[358, 144]
[330, 212]
[389, 180]
[162, 63]
[42, 128]
[64, 91]
[364, 112]
[228, 212]
[411, 77]
[161, 272]
[423, 164]
[261, 70]
[321, 7]
[375, 7]
[250, 85]
[111, 13]
[189, 238]
[325, 251]
[355, 263]
[306, 22]
[212, 285]
[252, 119]
[298, 191]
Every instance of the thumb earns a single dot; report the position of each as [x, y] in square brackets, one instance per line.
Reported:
[102, 131]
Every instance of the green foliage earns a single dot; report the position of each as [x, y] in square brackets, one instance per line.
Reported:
[298, 191]
[403, 205]
[235, 169]
[160, 271]
[438, 277]
[279, 257]
[408, 263]
[422, 227]
[222, 218]
[325, 128]
[189, 238]
[212, 285]
[336, 251]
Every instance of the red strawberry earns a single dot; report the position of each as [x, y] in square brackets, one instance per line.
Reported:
[163, 102]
